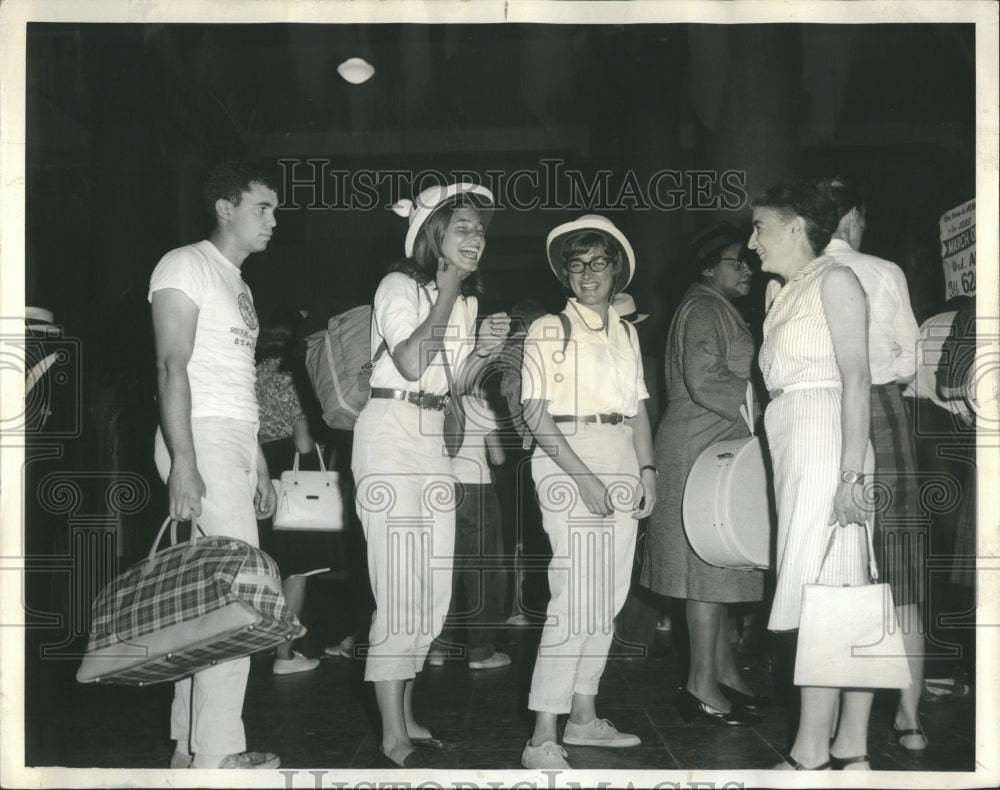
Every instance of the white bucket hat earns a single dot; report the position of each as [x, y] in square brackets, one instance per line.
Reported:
[594, 222]
[417, 211]
[624, 305]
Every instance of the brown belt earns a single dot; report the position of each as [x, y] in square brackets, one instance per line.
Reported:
[422, 399]
[611, 419]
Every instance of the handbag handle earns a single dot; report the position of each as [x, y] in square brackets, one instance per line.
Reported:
[869, 549]
[295, 465]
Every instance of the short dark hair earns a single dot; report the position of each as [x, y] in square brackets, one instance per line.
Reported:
[422, 267]
[228, 180]
[803, 199]
[845, 194]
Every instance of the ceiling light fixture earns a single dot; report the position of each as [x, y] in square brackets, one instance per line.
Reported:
[356, 70]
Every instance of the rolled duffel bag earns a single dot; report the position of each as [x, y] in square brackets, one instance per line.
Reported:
[184, 609]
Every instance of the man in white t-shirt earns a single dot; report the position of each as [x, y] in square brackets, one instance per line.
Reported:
[206, 447]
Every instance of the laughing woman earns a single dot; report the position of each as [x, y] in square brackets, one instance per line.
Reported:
[594, 474]
[425, 315]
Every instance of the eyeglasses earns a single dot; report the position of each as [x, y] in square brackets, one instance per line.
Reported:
[741, 265]
[596, 265]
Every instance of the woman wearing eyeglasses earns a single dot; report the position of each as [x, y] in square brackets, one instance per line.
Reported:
[708, 357]
[594, 476]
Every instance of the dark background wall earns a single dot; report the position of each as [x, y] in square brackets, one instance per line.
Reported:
[124, 120]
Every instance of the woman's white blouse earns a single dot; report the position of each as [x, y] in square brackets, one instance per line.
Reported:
[400, 306]
[600, 372]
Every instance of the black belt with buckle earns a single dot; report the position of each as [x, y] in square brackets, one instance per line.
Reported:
[611, 419]
[422, 399]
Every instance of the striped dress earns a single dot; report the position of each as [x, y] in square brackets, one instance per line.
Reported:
[803, 431]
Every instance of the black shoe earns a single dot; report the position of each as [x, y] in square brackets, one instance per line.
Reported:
[789, 760]
[896, 739]
[749, 701]
[690, 708]
[415, 759]
[433, 744]
[838, 763]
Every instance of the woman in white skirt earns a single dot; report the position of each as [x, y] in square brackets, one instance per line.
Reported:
[425, 314]
[815, 364]
[594, 474]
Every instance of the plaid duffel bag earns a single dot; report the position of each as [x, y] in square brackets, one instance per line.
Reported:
[184, 609]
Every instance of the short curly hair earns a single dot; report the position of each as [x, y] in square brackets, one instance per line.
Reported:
[228, 180]
[803, 199]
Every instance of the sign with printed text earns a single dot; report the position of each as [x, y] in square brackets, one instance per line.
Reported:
[958, 250]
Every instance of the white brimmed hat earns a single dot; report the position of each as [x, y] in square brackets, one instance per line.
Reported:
[592, 222]
[417, 211]
[624, 305]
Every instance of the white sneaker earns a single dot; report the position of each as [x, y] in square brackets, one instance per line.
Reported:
[549, 755]
[344, 650]
[297, 663]
[496, 660]
[599, 732]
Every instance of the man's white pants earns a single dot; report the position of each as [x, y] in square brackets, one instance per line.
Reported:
[207, 713]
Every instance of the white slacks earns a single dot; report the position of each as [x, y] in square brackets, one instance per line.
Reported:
[405, 496]
[207, 712]
[591, 567]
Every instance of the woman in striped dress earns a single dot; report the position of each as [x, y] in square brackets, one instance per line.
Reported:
[815, 364]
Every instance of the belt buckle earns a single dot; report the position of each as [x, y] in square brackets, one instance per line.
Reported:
[616, 418]
[425, 400]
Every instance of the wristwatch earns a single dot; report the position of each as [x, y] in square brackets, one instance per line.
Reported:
[849, 477]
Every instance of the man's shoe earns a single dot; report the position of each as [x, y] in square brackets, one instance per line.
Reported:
[519, 619]
[180, 760]
[297, 663]
[549, 755]
[496, 660]
[435, 658]
[344, 650]
[599, 732]
[250, 760]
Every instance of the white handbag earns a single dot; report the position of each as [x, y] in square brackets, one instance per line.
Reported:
[309, 500]
[849, 637]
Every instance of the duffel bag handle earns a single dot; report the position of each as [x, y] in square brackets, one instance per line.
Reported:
[195, 528]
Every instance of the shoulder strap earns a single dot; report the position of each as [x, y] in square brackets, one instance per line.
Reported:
[564, 320]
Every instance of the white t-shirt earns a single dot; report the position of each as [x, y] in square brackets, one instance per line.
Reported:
[400, 306]
[221, 369]
[600, 372]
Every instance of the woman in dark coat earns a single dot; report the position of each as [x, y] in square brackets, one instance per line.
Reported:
[708, 357]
